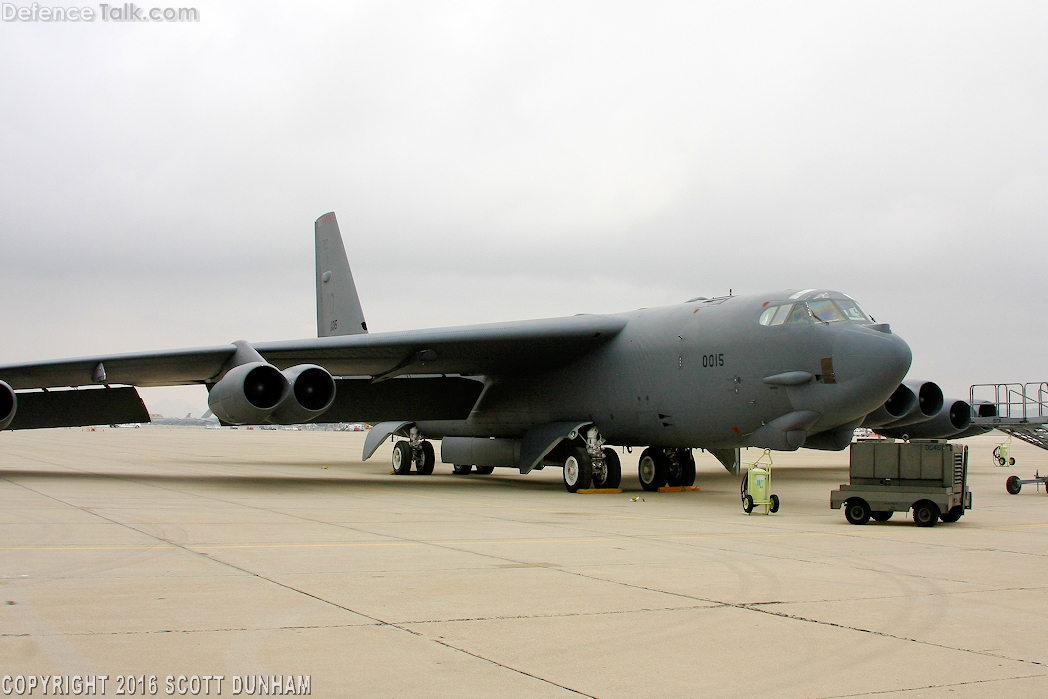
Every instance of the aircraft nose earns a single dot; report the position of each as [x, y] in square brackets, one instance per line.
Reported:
[873, 356]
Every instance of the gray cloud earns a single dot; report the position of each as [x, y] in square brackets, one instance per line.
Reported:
[492, 161]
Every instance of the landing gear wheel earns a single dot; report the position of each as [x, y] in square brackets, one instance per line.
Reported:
[674, 469]
[953, 515]
[485, 470]
[461, 469]
[881, 516]
[401, 458]
[652, 469]
[578, 470]
[925, 514]
[1013, 485]
[687, 464]
[429, 460]
[774, 503]
[612, 474]
[747, 504]
[857, 511]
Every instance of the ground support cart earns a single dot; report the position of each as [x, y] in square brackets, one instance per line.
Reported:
[756, 486]
[1014, 484]
[929, 477]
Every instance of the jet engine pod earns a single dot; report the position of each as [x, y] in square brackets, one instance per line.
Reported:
[312, 392]
[929, 403]
[954, 417]
[8, 405]
[901, 402]
[248, 394]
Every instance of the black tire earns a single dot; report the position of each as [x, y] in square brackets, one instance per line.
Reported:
[612, 475]
[747, 504]
[1011, 460]
[401, 458]
[925, 514]
[953, 515]
[461, 469]
[1000, 461]
[652, 469]
[857, 511]
[578, 470]
[687, 461]
[485, 470]
[1013, 485]
[881, 515]
[429, 460]
[674, 469]
[774, 503]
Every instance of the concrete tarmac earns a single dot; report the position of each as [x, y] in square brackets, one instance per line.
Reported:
[181, 551]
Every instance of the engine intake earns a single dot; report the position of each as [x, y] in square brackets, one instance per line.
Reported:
[954, 418]
[312, 392]
[8, 405]
[928, 404]
[248, 394]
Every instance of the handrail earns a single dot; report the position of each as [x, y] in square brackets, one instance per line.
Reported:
[1028, 400]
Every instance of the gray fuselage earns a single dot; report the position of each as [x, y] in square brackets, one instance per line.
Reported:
[693, 375]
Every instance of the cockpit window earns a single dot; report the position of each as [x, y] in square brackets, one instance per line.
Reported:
[799, 314]
[826, 311]
[851, 310]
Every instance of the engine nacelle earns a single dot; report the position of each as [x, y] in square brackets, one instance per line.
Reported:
[8, 405]
[901, 402]
[248, 394]
[312, 392]
[954, 418]
[929, 403]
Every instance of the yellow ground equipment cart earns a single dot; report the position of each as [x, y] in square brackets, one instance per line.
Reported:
[1002, 453]
[756, 486]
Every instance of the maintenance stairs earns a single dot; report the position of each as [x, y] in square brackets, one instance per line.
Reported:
[1020, 410]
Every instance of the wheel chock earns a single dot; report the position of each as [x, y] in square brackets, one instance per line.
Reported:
[598, 491]
[677, 488]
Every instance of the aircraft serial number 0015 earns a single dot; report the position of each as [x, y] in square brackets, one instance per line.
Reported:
[712, 360]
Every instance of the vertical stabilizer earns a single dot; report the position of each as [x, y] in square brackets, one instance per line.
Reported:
[338, 307]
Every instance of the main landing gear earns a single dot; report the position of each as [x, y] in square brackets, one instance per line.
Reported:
[661, 467]
[592, 465]
[415, 451]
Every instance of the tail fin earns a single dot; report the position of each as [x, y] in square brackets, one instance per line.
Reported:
[338, 307]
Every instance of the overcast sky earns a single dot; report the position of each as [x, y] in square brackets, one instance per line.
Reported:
[159, 182]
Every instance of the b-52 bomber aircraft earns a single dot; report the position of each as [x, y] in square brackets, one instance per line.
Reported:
[782, 370]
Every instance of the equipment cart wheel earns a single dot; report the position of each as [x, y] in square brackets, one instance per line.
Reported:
[1011, 460]
[857, 511]
[402, 458]
[1013, 485]
[881, 516]
[925, 513]
[774, 503]
[485, 470]
[747, 504]
[578, 470]
[612, 475]
[461, 469]
[953, 515]
[652, 469]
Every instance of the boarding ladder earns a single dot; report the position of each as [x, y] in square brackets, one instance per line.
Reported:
[1021, 409]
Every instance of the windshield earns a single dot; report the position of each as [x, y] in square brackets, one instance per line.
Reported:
[823, 310]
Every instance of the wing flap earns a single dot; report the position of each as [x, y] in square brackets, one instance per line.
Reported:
[104, 406]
